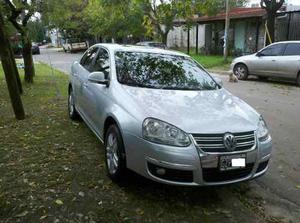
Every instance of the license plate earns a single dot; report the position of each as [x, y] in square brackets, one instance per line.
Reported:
[230, 162]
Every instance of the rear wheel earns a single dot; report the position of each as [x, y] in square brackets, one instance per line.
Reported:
[240, 71]
[73, 114]
[115, 154]
[298, 80]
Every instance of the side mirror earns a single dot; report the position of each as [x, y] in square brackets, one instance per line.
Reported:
[219, 81]
[98, 78]
[259, 54]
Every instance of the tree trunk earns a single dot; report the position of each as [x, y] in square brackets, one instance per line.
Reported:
[9, 68]
[271, 27]
[17, 72]
[27, 57]
[164, 37]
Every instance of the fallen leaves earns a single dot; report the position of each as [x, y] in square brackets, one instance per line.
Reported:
[59, 202]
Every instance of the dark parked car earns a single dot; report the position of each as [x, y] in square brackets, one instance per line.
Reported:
[35, 49]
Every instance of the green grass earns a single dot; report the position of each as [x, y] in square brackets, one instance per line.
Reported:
[214, 62]
[52, 170]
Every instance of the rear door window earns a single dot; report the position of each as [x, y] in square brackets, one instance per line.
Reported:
[292, 49]
[274, 50]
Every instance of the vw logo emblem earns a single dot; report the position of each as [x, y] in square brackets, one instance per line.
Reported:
[229, 142]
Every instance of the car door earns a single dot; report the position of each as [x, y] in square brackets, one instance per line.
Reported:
[289, 63]
[96, 95]
[81, 75]
[265, 63]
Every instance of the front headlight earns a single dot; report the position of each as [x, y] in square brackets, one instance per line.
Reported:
[161, 132]
[262, 130]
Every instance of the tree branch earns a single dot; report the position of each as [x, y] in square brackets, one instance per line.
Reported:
[15, 13]
[279, 4]
[262, 4]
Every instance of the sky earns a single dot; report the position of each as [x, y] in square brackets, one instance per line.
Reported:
[294, 2]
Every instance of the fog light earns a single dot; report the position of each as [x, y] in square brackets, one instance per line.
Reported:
[160, 171]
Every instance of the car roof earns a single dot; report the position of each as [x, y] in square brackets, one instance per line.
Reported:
[291, 41]
[150, 42]
[134, 48]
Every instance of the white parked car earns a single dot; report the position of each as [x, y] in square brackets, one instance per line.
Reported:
[74, 45]
[281, 59]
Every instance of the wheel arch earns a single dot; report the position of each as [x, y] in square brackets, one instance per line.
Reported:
[110, 120]
[242, 63]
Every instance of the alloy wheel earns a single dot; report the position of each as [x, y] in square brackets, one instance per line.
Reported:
[112, 157]
[71, 104]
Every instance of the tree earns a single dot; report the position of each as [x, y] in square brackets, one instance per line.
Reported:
[20, 13]
[36, 31]
[9, 68]
[160, 14]
[271, 7]
[67, 16]
[115, 19]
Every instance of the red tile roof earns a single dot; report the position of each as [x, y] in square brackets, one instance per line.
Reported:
[235, 13]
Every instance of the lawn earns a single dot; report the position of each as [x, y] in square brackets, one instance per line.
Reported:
[213, 62]
[52, 170]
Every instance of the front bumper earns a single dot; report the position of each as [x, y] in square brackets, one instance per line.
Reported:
[189, 165]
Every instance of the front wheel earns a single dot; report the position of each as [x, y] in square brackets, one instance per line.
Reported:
[241, 71]
[115, 154]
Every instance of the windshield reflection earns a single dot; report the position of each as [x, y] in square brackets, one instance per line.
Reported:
[161, 71]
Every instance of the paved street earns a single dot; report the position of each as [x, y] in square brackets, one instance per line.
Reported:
[277, 194]
[55, 56]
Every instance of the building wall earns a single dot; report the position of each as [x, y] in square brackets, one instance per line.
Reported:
[177, 38]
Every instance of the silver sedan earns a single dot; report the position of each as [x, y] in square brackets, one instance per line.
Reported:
[160, 114]
[281, 60]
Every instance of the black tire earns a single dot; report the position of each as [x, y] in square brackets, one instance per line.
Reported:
[115, 157]
[263, 78]
[73, 114]
[298, 80]
[241, 71]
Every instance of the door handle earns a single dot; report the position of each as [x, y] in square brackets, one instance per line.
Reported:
[274, 60]
[75, 75]
[85, 85]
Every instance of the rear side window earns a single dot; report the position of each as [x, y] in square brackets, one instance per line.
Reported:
[88, 58]
[274, 50]
[292, 49]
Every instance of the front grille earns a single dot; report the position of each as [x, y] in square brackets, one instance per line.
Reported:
[214, 142]
[215, 175]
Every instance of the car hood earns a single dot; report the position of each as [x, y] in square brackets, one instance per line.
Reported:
[244, 58]
[213, 111]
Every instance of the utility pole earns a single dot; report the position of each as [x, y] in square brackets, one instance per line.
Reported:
[227, 22]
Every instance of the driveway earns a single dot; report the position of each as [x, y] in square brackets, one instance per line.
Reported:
[274, 197]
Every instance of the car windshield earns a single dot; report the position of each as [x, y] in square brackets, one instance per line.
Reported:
[161, 71]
